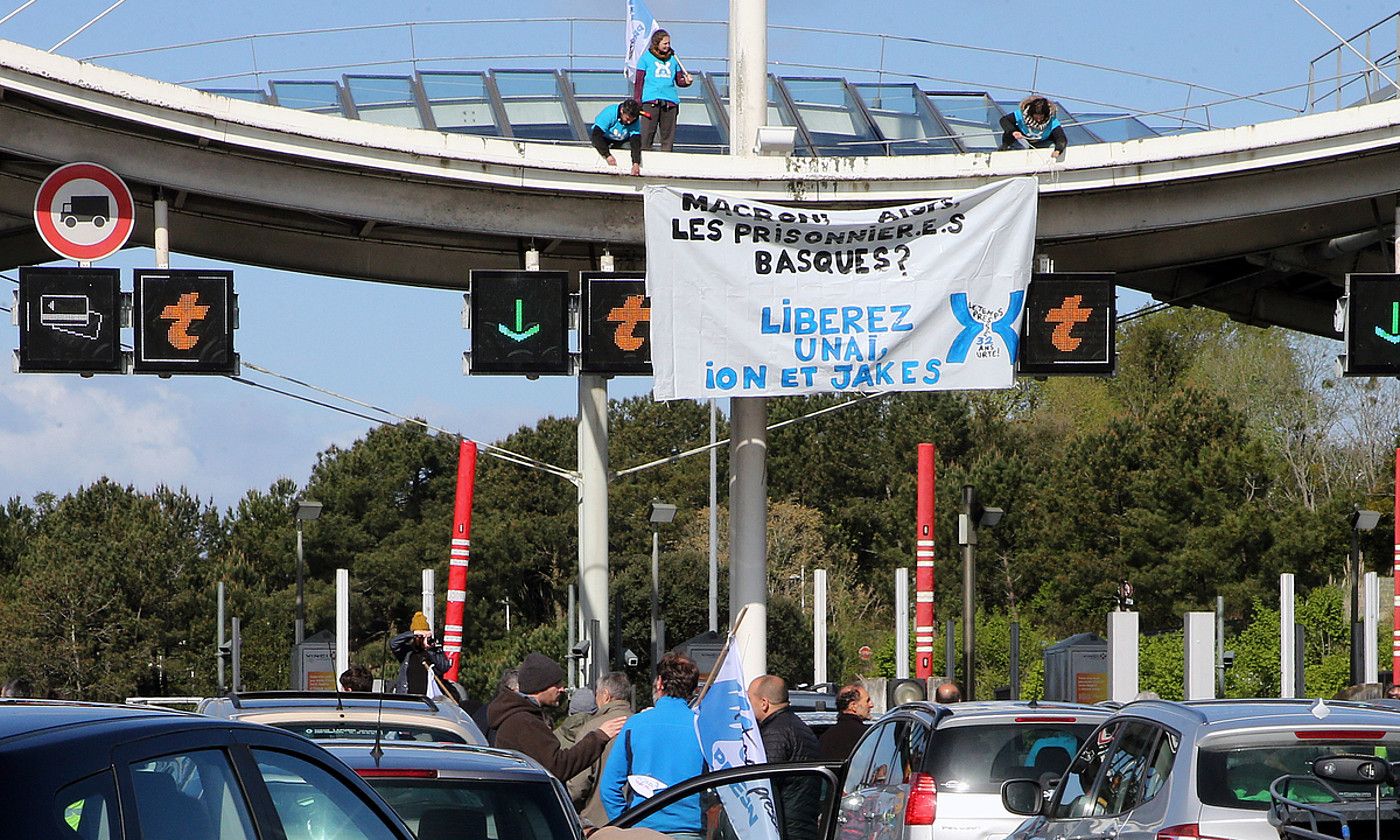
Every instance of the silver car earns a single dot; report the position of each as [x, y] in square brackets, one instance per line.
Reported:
[926, 771]
[1159, 770]
[330, 715]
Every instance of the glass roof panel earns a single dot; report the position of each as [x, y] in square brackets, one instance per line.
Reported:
[973, 116]
[833, 117]
[245, 94]
[460, 103]
[778, 113]
[905, 119]
[534, 105]
[385, 99]
[321, 97]
[1116, 127]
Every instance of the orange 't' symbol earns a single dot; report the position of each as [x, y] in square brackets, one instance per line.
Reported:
[1066, 315]
[182, 315]
[627, 317]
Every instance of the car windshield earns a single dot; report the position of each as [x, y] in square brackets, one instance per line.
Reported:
[977, 759]
[320, 731]
[477, 809]
[1239, 777]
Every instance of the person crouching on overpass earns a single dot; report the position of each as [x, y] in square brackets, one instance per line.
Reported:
[1036, 122]
[617, 126]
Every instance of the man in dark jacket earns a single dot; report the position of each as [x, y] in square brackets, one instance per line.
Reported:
[417, 651]
[786, 738]
[852, 712]
[519, 720]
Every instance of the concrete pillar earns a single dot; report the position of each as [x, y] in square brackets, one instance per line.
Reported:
[342, 621]
[1122, 656]
[748, 529]
[748, 446]
[1370, 670]
[430, 600]
[162, 237]
[593, 506]
[901, 623]
[1287, 677]
[818, 626]
[1200, 656]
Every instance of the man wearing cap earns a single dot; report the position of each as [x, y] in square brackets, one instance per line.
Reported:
[519, 720]
[416, 651]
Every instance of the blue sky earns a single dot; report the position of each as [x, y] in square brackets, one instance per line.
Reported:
[401, 347]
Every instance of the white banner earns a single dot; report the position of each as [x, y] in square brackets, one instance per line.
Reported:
[752, 299]
[729, 737]
[640, 24]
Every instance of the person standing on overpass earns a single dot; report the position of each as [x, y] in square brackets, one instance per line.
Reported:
[659, 73]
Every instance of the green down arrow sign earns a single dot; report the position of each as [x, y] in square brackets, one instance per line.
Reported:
[520, 333]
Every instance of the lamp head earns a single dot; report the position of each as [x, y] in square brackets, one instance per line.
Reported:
[308, 509]
[660, 513]
[1363, 520]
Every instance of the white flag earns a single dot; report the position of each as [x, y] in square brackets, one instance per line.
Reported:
[729, 737]
[640, 25]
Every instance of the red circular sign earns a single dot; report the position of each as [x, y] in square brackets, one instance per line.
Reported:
[865, 652]
[84, 212]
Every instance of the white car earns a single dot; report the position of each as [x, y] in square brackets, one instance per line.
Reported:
[356, 716]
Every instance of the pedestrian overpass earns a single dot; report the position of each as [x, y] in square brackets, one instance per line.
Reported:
[1261, 221]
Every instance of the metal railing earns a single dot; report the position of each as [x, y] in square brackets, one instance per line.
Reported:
[1353, 79]
[575, 42]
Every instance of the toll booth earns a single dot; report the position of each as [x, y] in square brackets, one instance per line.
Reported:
[1076, 669]
[313, 664]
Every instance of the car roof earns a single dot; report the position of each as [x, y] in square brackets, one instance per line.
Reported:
[483, 762]
[992, 709]
[26, 723]
[263, 700]
[1239, 714]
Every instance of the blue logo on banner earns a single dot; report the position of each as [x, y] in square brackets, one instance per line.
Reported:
[974, 327]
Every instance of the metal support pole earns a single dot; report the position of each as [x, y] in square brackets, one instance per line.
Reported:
[1199, 673]
[967, 538]
[162, 238]
[714, 519]
[572, 623]
[924, 620]
[1015, 660]
[300, 634]
[430, 597]
[818, 626]
[236, 659]
[748, 447]
[220, 637]
[1286, 636]
[748, 533]
[949, 649]
[1219, 646]
[655, 598]
[593, 503]
[342, 620]
[1370, 619]
[1300, 647]
[901, 623]
[1354, 583]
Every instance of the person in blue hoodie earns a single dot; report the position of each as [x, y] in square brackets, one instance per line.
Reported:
[617, 126]
[659, 74]
[1035, 122]
[656, 749]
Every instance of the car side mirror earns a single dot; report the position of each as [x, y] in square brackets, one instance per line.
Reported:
[1022, 797]
[1353, 769]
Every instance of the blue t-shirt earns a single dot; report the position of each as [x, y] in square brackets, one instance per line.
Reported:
[659, 77]
[1036, 134]
[612, 125]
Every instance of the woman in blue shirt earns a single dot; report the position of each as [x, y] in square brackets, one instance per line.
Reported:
[616, 126]
[659, 74]
[1035, 122]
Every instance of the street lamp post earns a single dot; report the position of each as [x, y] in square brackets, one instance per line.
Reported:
[506, 601]
[307, 510]
[1359, 520]
[658, 513]
[973, 516]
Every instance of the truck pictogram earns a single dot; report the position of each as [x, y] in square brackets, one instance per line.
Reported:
[86, 208]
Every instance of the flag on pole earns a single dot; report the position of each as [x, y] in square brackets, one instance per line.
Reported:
[729, 737]
[640, 24]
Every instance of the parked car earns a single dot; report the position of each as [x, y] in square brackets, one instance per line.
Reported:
[458, 792]
[1159, 770]
[99, 772]
[926, 771]
[331, 715]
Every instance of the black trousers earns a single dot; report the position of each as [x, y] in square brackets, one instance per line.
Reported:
[663, 117]
[605, 144]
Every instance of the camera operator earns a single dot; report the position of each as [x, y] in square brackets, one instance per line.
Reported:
[417, 651]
